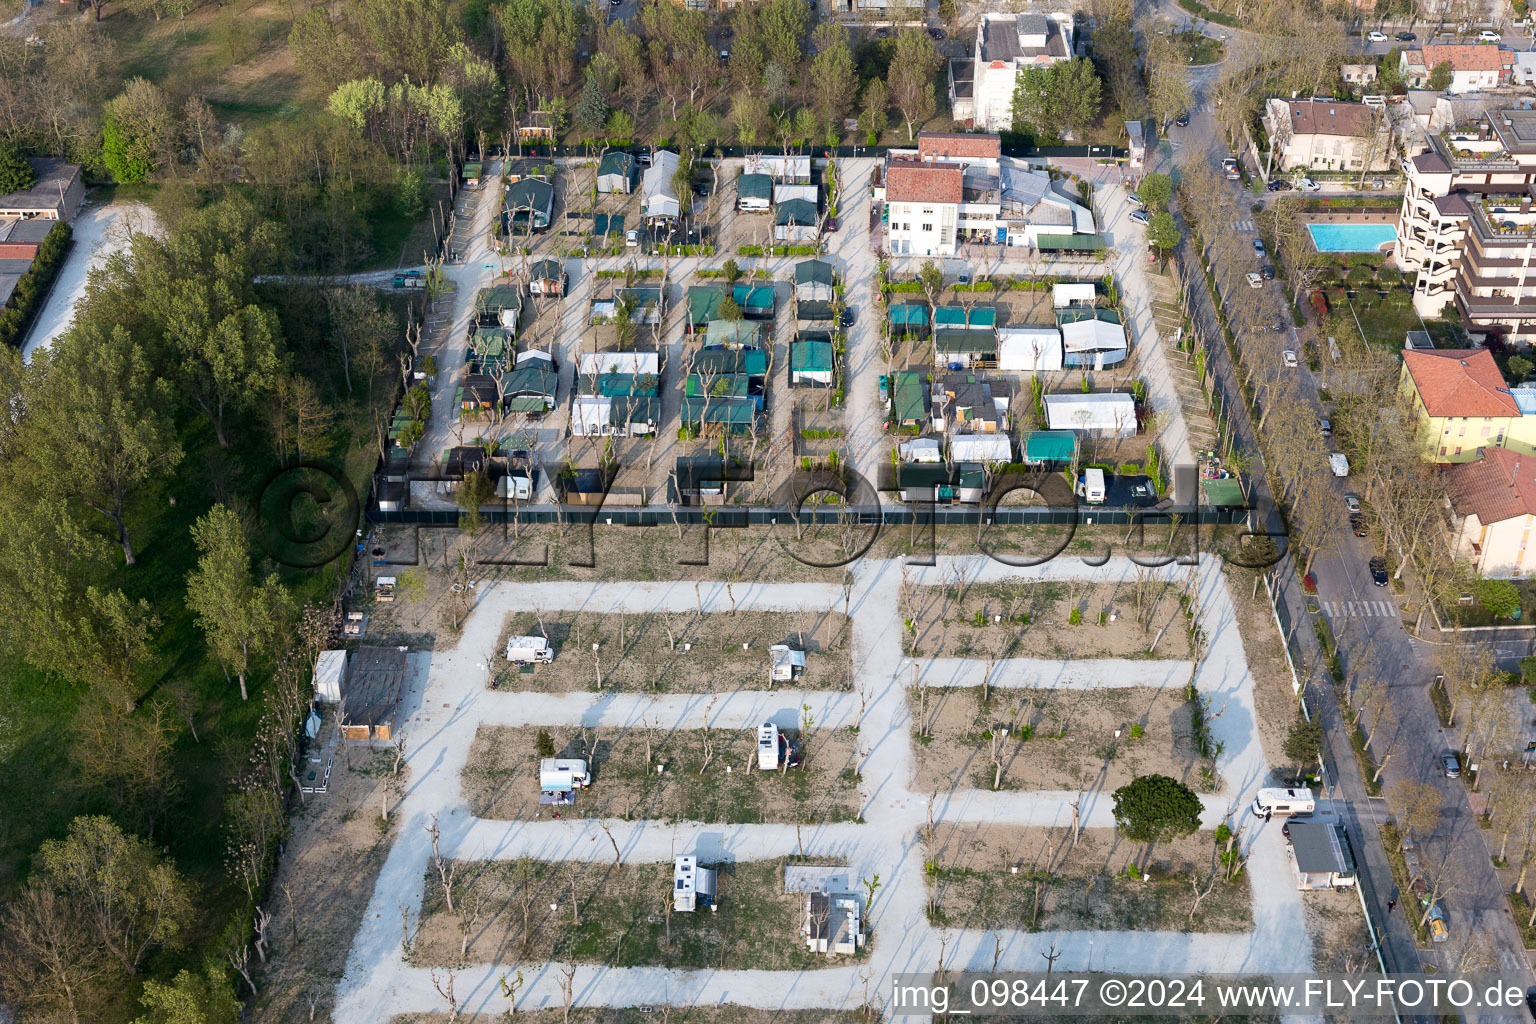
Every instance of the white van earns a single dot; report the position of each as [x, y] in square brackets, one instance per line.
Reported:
[563, 774]
[1339, 464]
[525, 650]
[1093, 486]
[1283, 802]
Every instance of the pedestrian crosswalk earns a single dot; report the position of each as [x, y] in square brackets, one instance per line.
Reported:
[1335, 609]
[1242, 225]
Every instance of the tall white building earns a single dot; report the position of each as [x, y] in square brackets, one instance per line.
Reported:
[981, 86]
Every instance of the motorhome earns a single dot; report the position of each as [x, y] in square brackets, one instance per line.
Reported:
[563, 774]
[526, 650]
[1339, 464]
[768, 747]
[1283, 802]
[1093, 486]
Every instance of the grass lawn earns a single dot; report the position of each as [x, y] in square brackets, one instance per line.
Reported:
[1198, 48]
[1385, 321]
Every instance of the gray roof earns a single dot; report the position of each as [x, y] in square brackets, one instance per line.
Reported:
[1321, 848]
[372, 687]
[796, 211]
[53, 175]
[755, 186]
[814, 272]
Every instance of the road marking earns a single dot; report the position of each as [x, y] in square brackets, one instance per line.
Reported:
[1338, 609]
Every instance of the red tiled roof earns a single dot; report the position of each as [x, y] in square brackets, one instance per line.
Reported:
[907, 181]
[1325, 117]
[1464, 57]
[1499, 486]
[1459, 382]
[931, 145]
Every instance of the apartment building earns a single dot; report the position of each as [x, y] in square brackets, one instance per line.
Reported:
[981, 86]
[1493, 509]
[1463, 405]
[1467, 227]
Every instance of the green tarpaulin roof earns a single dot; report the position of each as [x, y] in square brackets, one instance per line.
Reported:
[489, 341]
[796, 211]
[751, 361]
[949, 316]
[907, 397]
[497, 298]
[1052, 243]
[615, 385]
[723, 385]
[616, 161]
[730, 410]
[526, 380]
[608, 224]
[732, 332]
[813, 272]
[983, 316]
[1050, 446]
[1223, 492]
[815, 356]
[634, 410]
[972, 342]
[754, 186]
[1073, 314]
[550, 270]
[704, 302]
[908, 313]
[753, 297]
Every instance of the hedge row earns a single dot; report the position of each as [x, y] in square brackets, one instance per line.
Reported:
[34, 285]
[777, 250]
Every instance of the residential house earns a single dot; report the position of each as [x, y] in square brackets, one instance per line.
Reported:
[1092, 415]
[907, 318]
[1325, 135]
[923, 204]
[617, 172]
[747, 362]
[756, 299]
[810, 361]
[1006, 44]
[1321, 856]
[500, 305]
[831, 923]
[547, 277]
[530, 386]
[1091, 337]
[937, 483]
[754, 193]
[1474, 68]
[529, 205]
[55, 195]
[658, 198]
[991, 449]
[1029, 348]
[1358, 74]
[1524, 71]
[1493, 510]
[977, 151]
[704, 302]
[815, 284]
[20, 239]
[976, 404]
[1464, 406]
[957, 348]
[370, 694]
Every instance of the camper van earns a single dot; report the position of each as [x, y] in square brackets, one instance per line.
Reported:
[692, 886]
[1093, 486]
[1283, 802]
[563, 774]
[1339, 464]
[768, 747]
[525, 650]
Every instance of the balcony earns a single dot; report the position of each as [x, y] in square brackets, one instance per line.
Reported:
[1494, 307]
[1466, 152]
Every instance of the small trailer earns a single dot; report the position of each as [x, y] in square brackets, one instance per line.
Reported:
[410, 279]
[384, 589]
[692, 885]
[785, 665]
[768, 747]
[560, 777]
[528, 650]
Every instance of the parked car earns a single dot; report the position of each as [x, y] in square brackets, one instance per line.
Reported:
[725, 55]
[1378, 567]
[936, 33]
[1258, 248]
[1229, 168]
[1135, 197]
[1141, 217]
[1182, 121]
[1352, 501]
[1438, 932]
[1325, 426]
[831, 224]
[1288, 357]
[1377, 37]
[882, 33]
[1279, 185]
[1406, 37]
[1308, 185]
[1451, 763]
[1488, 36]
[643, 158]
[1267, 272]
[1357, 525]
[631, 239]
[1255, 281]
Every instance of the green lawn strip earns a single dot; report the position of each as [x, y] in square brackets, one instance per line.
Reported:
[1411, 908]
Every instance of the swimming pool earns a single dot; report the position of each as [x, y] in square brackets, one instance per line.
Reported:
[1352, 237]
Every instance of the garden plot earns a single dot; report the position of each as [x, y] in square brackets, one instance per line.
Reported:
[621, 917]
[973, 882]
[1055, 619]
[500, 779]
[1052, 739]
[676, 652]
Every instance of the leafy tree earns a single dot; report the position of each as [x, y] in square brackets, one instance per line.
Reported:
[1079, 93]
[729, 310]
[931, 276]
[15, 173]
[238, 615]
[591, 107]
[1500, 597]
[132, 899]
[1304, 741]
[138, 128]
[1155, 190]
[1154, 807]
[750, 115]
[1440, 76]
[1056, 99]
[874, 118]
[473, 491]
[730, 270]
[1520, 367]
[911, 77]
[1163, 233]
[205, 998]
[832, 73]
[620, 126]
[543, 744]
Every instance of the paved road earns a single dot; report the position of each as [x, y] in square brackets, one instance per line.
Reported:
[1352, 604]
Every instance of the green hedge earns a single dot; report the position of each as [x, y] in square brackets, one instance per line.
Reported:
[33, 286]
[761, 275]
[1199, 10]
[777, 250]
[623, 273]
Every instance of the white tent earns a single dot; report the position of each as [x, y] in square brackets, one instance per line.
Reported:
[590, 415]
[920, 449]
[657, 196]
[329, 669]
[1095, 415]
[980, 448]
[1028, 349]
[637, 364]
[1097, 343]
[1067, 294]
[784, 193]
[780, 168]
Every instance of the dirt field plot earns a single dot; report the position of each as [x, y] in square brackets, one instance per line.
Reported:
[501, 777]
[1340, 940]
[1054, 740]
[677, 652]
[622, 917]
[972, 883]
[1049, 619]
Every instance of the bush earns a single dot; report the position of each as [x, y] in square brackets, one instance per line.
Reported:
[34, 285]
[1076, 618]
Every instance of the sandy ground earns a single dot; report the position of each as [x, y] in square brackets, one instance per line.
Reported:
[1341, 941]
[1274, 695]
[1073, 742]
[963, 620]
[99, 231]
[338, 845]
[622, 916]
[500, 778]
[976, 885]
[685, 653]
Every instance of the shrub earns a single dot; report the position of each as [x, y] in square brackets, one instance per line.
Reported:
[34, 285]
[1076, 618]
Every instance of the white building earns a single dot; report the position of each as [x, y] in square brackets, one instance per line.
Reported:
[1005, 45]
[1029, 349]
[1095, 415]
[634, 363]
[1324, 135]
[981, 448]
[1474, 68]
[656, 194]
[1525, 67]
[832, 923]
[935, 205]
[1493, 509]
[783, 169]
